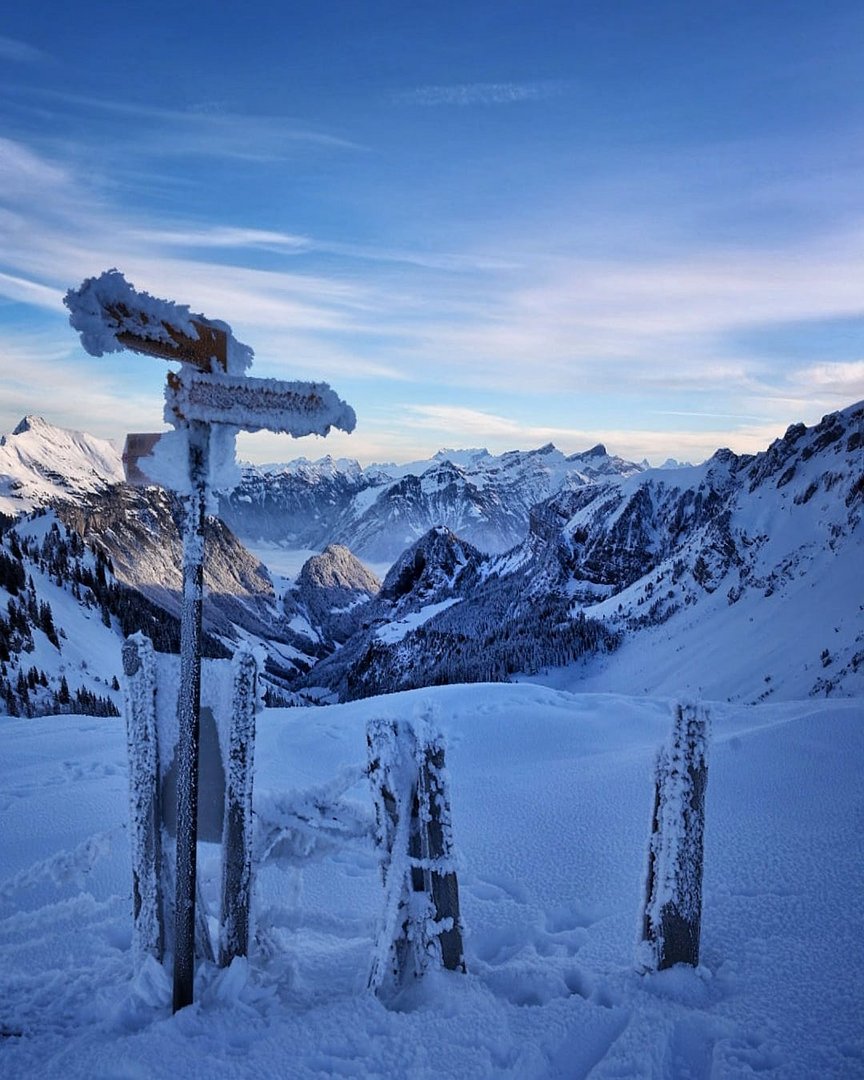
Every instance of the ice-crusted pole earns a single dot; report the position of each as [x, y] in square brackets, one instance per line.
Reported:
[237, 830]
[139, 670]
[672, 916]
[421, 927]
[189, 714]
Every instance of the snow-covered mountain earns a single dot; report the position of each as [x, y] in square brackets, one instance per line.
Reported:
[376, 511]
[736, 578]
[379, 511]
[739, 576]
[41, 463]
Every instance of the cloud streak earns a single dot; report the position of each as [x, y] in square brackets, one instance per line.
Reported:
[20, 52]
[483, 93]
[533, 324]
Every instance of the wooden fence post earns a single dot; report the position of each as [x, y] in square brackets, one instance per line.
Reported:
[237, 831]
[672, 913]
[422, 927]
[139, 669]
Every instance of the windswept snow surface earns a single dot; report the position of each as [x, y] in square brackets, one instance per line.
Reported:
[551, 799]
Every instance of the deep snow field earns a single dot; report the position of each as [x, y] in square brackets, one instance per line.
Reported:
[551, 797]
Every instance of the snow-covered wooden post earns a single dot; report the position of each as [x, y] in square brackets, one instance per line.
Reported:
[672, 914]
[237, 831]
[139, 669]
[422, 927]
[189, 714]
[207, 399]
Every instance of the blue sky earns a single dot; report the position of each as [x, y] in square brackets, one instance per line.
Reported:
[491, 223]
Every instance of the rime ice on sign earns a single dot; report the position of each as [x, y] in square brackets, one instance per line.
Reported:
[110, 314]
[208, 402]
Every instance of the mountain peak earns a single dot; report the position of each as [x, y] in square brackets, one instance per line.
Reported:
[40, 462]
[30, 423]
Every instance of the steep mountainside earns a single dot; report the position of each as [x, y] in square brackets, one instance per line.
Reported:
[737, 578]
[331, 590]
[442, 617]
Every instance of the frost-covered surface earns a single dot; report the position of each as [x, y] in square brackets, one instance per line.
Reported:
[673, 900]
[551, 799]
[105, 306]
[145, 828]
[420, 929]
[237, 834]
[167, 464]
[292, 408]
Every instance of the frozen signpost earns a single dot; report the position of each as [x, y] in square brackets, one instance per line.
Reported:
[207, 401]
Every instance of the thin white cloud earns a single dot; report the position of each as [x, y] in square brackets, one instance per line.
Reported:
[239, 238]
[222, 236]
[482, 93]
[172, 132]
[29, 292]
[26, 176]
[20, 52]
[841, 379]
[501, 433]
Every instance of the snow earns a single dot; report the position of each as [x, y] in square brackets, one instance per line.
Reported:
[40, 462]
[140, 314]
[551, 802]
[396, 630]
[244, 403]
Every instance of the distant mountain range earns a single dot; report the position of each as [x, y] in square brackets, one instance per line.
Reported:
[379, 511]
[737, 578]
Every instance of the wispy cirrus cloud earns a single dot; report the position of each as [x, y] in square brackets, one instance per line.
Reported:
[229, 237]
[498, 433]
[11, 49]
[208, 131]
[548, 326]
[483, 93]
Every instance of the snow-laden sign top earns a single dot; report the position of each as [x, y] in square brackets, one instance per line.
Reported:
[108, 311]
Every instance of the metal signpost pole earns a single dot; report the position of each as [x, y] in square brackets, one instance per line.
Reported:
[189, 713]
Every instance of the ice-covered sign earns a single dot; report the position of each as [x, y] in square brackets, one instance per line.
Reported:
[207, 401]
[110, 314]
[292, 408]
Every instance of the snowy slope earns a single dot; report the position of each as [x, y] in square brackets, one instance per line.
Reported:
[551, 803]
[87, 653]
[40, 462]
[739, 579]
